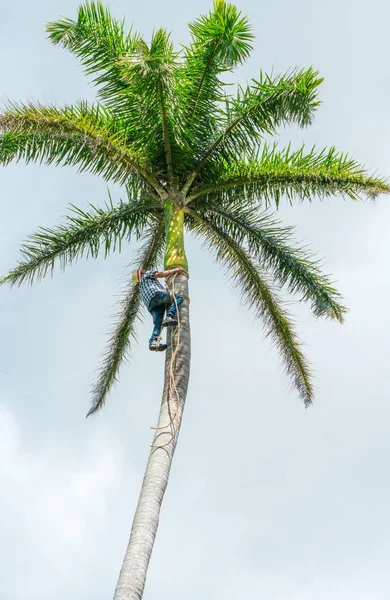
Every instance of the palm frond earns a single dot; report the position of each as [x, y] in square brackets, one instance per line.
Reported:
[150, 73]
[223, 35]
[134, 80]
[100, 41]
[257, 293]
[85, 233]
[258, 110]
[124, 331]
[274, 173]
[84, 135]
[220, 40]
[274, 250]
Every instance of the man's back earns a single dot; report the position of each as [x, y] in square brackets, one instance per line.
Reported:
[149, 285]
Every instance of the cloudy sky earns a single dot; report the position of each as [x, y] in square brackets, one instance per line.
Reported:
[266, 500]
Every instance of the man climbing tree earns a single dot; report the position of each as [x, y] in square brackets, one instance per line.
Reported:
[191, 154]
[157, 300]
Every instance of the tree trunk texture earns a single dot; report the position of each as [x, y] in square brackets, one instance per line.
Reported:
[132, 577]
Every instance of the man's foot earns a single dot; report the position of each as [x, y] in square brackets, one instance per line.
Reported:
[155, 347]
[170, 322]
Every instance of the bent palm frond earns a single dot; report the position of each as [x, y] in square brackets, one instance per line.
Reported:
[83, 135]
[274, 173]
[273, 248]
[124, 331]
[257, 293]
[85, 233]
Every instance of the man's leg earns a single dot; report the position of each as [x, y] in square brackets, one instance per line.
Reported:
[171, 319]
[158, 315]
[172, 309]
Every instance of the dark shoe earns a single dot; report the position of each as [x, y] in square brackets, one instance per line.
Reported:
[170, 322]
[155, 347]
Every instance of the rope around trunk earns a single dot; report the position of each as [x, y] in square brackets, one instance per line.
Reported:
[172, 382]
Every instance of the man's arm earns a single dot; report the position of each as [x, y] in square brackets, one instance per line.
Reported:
[169, 272]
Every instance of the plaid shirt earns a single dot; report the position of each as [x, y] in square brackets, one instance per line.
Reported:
[149, 285]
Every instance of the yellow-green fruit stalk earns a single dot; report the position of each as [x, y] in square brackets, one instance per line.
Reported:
[175, 255]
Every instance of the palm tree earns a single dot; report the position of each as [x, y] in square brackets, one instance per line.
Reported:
[190, 155]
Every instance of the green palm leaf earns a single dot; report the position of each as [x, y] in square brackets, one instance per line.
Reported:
[85, 233]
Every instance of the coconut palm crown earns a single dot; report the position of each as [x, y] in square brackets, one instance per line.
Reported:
[191, 155]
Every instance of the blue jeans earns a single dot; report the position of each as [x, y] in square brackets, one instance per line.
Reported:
[157, 306]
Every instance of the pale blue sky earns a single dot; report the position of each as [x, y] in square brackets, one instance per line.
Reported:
[266, 500]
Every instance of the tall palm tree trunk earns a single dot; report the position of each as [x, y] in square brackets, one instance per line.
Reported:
[132, 577]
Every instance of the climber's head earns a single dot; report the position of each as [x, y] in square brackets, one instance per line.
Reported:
[136, 277]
